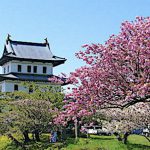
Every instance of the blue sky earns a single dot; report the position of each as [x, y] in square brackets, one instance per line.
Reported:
[68, 24]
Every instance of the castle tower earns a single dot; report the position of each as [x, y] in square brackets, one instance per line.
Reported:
[26, 61]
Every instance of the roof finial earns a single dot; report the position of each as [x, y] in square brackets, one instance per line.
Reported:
[47, 43]
[8, 38]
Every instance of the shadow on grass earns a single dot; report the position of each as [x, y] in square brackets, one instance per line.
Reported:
[70, 141]
[43, 145]
[131, 146]
[32, 145]
[101, 138]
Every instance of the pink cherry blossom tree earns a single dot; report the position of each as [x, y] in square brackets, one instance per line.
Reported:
[116, 74]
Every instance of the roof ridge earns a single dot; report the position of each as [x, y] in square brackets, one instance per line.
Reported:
[28, 43]
[18, 73]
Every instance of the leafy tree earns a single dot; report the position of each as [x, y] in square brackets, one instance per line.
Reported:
[33, 116]
[116, 75]
[125, 121]
[31, 112]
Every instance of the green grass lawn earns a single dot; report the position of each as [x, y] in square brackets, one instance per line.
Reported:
[135, 142]
[110, 143]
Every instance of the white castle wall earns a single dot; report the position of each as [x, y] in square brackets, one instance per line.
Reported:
[8, 86]
[13, 67]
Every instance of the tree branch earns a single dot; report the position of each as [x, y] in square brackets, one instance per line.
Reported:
[134, 101]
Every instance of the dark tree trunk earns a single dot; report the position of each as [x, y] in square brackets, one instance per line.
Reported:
[125, 138]
[26, 136]
[63, 134]
[118, 136]
[37, 135]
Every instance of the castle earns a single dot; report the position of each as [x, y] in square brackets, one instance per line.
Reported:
[26, 61]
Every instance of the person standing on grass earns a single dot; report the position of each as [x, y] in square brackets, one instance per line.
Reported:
[53, 138]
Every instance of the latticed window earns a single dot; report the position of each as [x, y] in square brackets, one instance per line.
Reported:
[4, 70]
[19, 68]
[44, 69]
[28, 68]
[35, 69]
[15, 87]
[7, 68]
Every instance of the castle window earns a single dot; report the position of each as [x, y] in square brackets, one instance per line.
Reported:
[7, 68]
[4, 70]
[15, 87]
[44, 69]
[19, 68]
[28, 68]
[35, 69]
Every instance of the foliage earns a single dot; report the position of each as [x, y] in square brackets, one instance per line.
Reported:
[134, 117]
[116, 74]
[32, 112]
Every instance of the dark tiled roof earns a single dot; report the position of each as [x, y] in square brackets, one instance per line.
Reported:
[27, 77]
[29, 50]
[19, 50]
